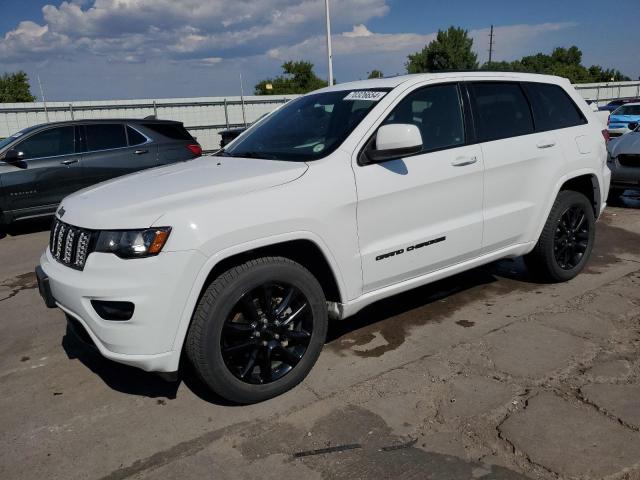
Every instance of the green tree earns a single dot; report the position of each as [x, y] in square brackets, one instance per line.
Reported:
[451, 50]
[564, 62]
[14, 87]
[375, 74]
[297, 77]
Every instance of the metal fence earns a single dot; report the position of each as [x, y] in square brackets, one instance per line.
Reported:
[204, 117]
[602, 93]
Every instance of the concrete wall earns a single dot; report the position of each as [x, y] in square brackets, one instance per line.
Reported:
[204, 117]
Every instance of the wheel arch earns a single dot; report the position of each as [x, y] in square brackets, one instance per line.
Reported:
[302, 247]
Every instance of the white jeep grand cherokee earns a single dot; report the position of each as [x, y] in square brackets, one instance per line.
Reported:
[338, 199]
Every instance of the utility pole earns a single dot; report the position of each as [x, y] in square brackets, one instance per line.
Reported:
[490, 45]
[44, 100]
[329, 55]
[244, 117]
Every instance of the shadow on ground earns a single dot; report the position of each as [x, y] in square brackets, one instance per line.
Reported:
[25, 227]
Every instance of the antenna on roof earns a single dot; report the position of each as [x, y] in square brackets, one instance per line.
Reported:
[44, 100]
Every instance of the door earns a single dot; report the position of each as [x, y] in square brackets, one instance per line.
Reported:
[112, 150]
[47, 172]
[521, 166]
[424, 212]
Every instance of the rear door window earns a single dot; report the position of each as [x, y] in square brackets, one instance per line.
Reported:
[552, 107]
[501, 110]
[50, 143]
[175, 131]
[105, 136]
[135, 137]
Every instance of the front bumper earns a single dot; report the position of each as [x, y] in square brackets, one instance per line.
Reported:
[624, 177]
[158, 287]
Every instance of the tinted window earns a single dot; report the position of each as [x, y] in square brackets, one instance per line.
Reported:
[502, 110]
[55, 141]
[437, 112]
[105, 136]
[552, 107]
[628, 110]
[308, 127]
[135, 137]
[175, 131]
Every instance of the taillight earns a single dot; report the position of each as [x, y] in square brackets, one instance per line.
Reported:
[195, 148]
[605, 134]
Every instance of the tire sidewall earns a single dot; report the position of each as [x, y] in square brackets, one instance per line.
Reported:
[217, 375]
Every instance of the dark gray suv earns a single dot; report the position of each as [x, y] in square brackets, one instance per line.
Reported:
[41, 165]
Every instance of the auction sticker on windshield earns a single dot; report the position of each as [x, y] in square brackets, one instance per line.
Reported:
[365, 95]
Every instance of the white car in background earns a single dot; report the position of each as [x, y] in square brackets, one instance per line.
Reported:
[342, 197]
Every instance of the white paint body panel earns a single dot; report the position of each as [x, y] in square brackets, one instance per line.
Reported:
[488, 200]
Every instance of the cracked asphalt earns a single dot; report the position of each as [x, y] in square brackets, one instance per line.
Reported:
[485, 375]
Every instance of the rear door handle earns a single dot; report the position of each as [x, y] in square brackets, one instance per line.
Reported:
[141, 152]
[463, 161]
[69, 162]
[546, 144]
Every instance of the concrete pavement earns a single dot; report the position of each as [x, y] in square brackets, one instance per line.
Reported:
[485, 375]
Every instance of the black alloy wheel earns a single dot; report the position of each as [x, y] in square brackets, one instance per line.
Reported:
[267, 333]
[571, 238]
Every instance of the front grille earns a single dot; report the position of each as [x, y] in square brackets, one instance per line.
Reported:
[629, 160]
[70, 245]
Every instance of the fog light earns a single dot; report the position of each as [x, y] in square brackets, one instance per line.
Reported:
[118, 311]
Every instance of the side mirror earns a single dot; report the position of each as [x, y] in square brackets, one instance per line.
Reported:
[13, 156]
[395, 141]
[632, 126]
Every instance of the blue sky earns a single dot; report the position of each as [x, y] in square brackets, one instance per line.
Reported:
[109, 49]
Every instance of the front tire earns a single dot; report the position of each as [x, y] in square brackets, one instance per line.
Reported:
[258, 329]
[566, 241]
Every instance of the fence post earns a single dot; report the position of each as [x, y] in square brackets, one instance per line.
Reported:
[155, 109]
[226, 114]
[71, 111]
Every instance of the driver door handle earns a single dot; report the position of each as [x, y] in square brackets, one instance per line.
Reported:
[69, 162]
[463, 161]
[546, 144]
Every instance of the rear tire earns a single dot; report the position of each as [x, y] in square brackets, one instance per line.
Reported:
[566, 241]
[258, 329]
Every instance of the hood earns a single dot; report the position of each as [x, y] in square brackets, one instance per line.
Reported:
[629, 143]
[139, 199]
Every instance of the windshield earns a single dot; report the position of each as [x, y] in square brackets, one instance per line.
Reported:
[8, 140]
[628, 110]
[307, 128]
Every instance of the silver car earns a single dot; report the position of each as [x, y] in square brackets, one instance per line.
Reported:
[624, 162]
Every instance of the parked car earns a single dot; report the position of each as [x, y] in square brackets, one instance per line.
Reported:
[41, 165]
[340, 198]
[620, 119]
[226, 136]
[614, 104]
[624, 162]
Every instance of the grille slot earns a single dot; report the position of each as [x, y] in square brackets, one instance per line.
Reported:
[70, 245]
[629, 160]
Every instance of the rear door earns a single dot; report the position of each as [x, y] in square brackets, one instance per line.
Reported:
[48, 172]
[114, 149]
[521, 166]
[172, 140]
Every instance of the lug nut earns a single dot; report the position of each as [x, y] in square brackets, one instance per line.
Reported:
[276, 336]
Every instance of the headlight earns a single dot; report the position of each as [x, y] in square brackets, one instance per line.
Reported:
[133, 243]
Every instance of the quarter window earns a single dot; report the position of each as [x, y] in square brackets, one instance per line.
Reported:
[50, 143]
[502, 110]
[437, 112]
[105, 136]
[135, 137]
[552, 107]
